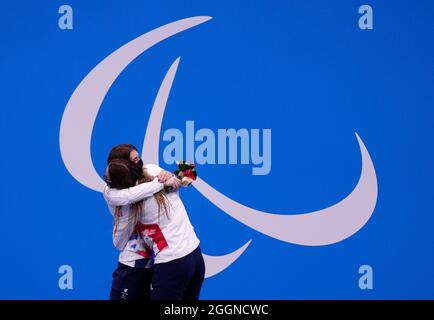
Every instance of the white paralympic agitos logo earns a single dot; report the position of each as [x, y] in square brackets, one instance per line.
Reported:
[322, 227]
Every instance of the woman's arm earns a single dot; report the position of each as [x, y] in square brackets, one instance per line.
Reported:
[115, 197]
[171, 181]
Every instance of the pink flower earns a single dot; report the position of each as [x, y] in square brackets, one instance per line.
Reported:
[190, 174]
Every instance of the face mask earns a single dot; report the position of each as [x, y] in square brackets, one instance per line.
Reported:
[140, 163]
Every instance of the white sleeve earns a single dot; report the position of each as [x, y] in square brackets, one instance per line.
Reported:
[124, 197]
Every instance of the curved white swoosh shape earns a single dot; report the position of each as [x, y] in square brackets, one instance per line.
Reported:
[326, 226]
[215, 264]
[82, 108]
[151, 145]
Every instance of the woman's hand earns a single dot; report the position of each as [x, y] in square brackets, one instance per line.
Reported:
[163, 176]
[174, 183]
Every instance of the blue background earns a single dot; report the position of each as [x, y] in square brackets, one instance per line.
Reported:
[302, 68]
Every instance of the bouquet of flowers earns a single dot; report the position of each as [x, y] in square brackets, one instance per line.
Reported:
[186, 172]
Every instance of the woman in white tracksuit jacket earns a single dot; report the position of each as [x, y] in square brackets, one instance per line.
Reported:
[166, 237]
[132, 277]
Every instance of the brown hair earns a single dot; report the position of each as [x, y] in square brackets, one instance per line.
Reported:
[121, 151]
